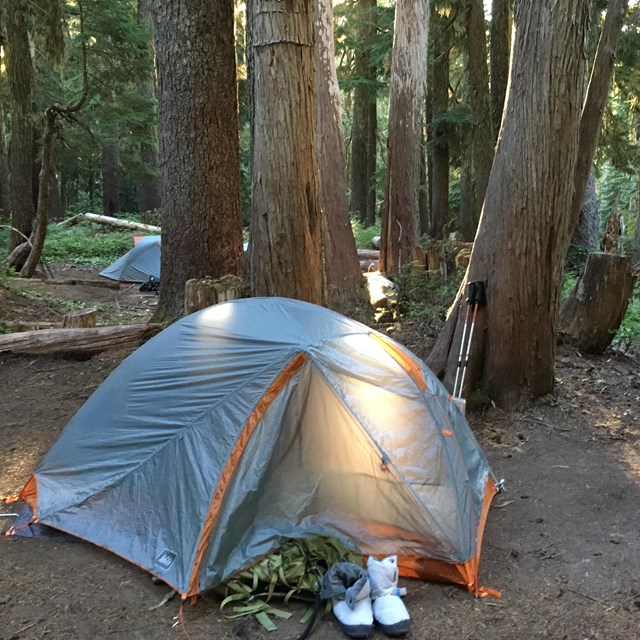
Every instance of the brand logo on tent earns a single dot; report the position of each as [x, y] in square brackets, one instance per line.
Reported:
[165, 559]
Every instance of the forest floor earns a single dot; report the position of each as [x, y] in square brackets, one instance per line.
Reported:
[561, 544]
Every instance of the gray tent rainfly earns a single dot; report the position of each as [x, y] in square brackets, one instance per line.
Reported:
[260, 420]
[138, 264]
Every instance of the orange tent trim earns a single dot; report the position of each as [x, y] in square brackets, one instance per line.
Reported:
[464, 574]
[241, 443]
[406, 362]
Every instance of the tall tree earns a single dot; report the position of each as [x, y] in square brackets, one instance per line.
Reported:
[111, 177]
[525, 226]
[285, 250]
[595, 101]
[440, 30]
[148, 187]
[481, 139]
[500, 51]
[399, 234]
[198, 117]
[363, 149]
[341, 266]
[20, 76]
[587, 232]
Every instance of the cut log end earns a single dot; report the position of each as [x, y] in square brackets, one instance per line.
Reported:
[81, 319]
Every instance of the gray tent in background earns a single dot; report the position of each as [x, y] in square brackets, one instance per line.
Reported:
[138, 264]
[260, 420]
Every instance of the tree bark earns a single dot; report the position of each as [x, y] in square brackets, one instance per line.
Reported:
[482, 143]
[81, 319]
[200, 293]
[148, 189]
[199, 147]
[111, 179]
[501, 22]
[525, 227]
[399, 233]
[372, 151]
[344, 282]
[440, 132]
[587, 231]
[635, 255]
[592, 314]
[20, 75]
[285, 251]
[47, 176]
[364, 96]
[5, 185]
[594, 104]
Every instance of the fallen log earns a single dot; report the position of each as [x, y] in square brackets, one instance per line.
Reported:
[368, 254]
[76, 341]
[108, 220]
[107, 284]
[31, 325]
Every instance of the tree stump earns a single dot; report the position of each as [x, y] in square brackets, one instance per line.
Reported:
[592, 314]
[204, 292]
[81, 319]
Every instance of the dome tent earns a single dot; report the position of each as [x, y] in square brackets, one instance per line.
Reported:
[139, 263]
[260, 420]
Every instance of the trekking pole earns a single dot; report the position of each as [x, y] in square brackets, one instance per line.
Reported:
[470, 298]
[479, 300]
[470, 295]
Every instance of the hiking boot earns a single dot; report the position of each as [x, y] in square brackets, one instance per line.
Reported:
[347, 585]
[388, 609]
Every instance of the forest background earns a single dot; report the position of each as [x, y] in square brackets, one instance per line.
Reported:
[97, 59]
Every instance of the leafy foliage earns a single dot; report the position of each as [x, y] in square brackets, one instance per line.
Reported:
[85, 244]
[364, 235]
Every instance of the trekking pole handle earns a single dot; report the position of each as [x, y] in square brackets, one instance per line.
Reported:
[477, 294]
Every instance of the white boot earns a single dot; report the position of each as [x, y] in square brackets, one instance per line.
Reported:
[347, 585]
[388, 609]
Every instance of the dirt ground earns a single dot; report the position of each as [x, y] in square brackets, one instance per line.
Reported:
[562, 544]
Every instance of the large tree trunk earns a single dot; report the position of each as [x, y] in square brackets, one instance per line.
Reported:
[635, 255]
[285, 251]
[148, 189]
[364, 95]
[5, 188]
[440, 133]
[478, 79]
[399, 234]
[500, 50]
[372, 150]
[20, 75]
[56, 208]
[525, 227]
[199, 148]
[592, 314]
[344, 282]
[587, 231]
[596, 100]
[111, 179]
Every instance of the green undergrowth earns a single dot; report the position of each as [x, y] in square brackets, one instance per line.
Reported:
[628, 335]
[426, 295]
[364, 235]
[85, 244]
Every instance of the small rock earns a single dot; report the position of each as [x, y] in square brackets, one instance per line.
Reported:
[5, 599]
